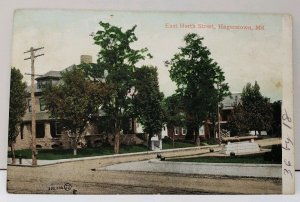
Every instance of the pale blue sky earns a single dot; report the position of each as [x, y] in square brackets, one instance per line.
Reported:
[244, 55]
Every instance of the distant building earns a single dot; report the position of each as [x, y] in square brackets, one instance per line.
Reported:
[227, 105]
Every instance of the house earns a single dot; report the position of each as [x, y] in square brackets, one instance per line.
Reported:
[207, 129]
[227, 107]
[228, 104]
[50, 132]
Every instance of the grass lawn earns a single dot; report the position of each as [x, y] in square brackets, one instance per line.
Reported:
[177, 144]
[51, 154]
[182, 144]
[258, 158]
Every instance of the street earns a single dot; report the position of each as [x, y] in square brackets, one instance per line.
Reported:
[86, 177]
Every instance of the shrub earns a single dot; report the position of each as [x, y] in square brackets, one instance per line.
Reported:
[275, 155]
[167, 139]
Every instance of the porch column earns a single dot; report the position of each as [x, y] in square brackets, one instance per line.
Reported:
[47, 130]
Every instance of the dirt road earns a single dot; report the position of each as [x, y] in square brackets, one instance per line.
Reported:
[86, 178]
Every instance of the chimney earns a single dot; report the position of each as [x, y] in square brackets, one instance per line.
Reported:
[86, 59]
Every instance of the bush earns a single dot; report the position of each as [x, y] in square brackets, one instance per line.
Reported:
[167, 140]
[275, 155]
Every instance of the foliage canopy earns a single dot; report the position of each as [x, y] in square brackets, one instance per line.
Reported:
[17, 104]
[200, 80]
[75, 101]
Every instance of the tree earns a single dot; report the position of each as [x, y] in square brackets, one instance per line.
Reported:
[175, 115]
[148, 101]
[75, 101]
[119, 60]
[200, 81]
[276, 123]
[237, 122]
[17, 107]
[258, 111]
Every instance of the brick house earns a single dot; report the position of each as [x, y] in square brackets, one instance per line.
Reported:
[207, 128]
[49, 131]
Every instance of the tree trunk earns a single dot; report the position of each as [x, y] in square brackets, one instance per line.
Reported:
[149, 141]
[13, 153]
[75, 146]
[197, 137]
[117, 140]
[198, 141]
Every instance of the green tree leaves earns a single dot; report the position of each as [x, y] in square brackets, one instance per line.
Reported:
[200, 81]
[257, 108]
[17, 103]
[75, 101]
[17, 107]
[118, 58]
[148, 100]
[254, 113]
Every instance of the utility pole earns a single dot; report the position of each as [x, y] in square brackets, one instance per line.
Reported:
[219, 124]
[33, 118]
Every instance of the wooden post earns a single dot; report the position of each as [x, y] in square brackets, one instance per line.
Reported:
[219, 124]
[33, 115]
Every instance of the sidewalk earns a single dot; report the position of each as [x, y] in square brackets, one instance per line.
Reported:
[188, 151]
[222, 169]
[28, 162]
[141, 155]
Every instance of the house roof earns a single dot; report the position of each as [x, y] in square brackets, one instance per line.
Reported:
[230, 101]
[50, 74]
[54, 75]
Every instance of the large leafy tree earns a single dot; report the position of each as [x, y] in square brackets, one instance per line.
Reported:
[148, 101]
[117, 57]
[17, 107]
[255, 112]
[175, 114]
[75, 101]
[237, 123]
[257, 108]
[200, 82]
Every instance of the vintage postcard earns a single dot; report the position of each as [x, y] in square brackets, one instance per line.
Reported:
[115, 102]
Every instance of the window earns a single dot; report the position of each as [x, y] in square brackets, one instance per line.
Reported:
[42, 104]
[176, 131]
[56, 129]
[40, 130]
[183, 131]
[29, 105]
[53, 129]
[42, 84]
[54, 82]
[59, 128]
[39, 85]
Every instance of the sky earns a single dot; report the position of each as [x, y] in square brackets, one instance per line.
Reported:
[244, 55]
